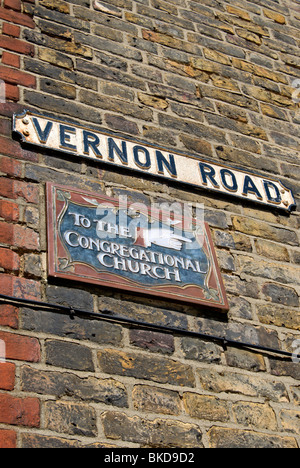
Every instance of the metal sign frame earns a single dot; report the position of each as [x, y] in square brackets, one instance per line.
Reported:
[162, 258]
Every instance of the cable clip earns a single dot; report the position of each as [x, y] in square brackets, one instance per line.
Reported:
[224, 343]
[72, 313]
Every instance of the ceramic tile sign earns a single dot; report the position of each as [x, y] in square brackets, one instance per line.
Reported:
[148, 160]
[107, 241]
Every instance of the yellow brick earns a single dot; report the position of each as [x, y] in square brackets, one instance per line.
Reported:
[217, 56]
[270, 250]
[249, 36]
[58, 5]
[206, 407]
[258, 70]
[277, 315]
[223, 437]
[258, 415]
[238, 12]
[277, 17]
[204, 65]
[261, 229]
[225, 83]
[153, 101]
[289, 419]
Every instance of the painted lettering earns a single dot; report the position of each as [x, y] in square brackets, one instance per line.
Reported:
[162, 163]
[91, 140]
[250, 187]
[65, 133]
[121, 153]
[230, 185]
[137, 158]
[208, 172]
[67, 236]
[43, 135]
[270, 186]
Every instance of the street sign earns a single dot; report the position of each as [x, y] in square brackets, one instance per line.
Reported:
[147, 159]
[107, 241]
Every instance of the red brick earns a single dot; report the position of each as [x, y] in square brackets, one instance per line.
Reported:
[7, 109]
[18, 236]
[17, 18]
[11, 59]
[9, 260]
[16, 45]
[13, 4]
[8, 439]
[29, 192]
[5, 127]
[19, 287]
[19, 412]
[6, 233]
[14, 189]
[8, 147]
[7, 188]
[10, 166]
[21, 348]
[17, 77]
[7, 376]
[25, 238]
[12, 92]
[11, 30]
[9, 210]
[9, 316]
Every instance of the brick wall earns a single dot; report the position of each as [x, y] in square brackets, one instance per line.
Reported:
[214, 78]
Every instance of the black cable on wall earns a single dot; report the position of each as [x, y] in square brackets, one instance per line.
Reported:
[139, 324]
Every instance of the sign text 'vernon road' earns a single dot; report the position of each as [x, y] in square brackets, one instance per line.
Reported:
[145, 158]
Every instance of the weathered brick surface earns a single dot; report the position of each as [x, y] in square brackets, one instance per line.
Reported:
[144, 367]
[8, 316]
[155, 433]
[156, 400]
[62, 384]
[234, 438]
[19, 412]
[9, 260]
[8, 439]
[215, 79]
[71, 418]
[7, 376]
[20, 287]
[21, 348]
